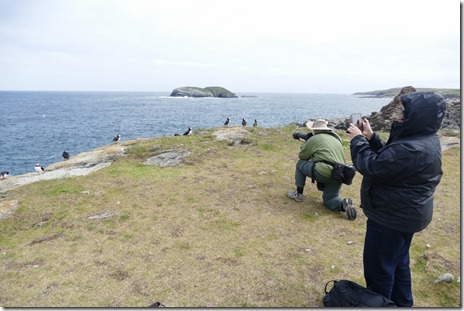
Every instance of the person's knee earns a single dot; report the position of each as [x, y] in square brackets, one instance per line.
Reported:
[333, 203]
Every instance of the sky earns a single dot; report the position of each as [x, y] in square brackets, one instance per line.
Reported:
[246, 46]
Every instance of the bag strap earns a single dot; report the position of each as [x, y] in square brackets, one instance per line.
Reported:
[325, 289]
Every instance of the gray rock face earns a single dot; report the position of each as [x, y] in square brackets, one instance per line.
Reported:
[82, 164]
[210, 91]
[382, 120]
[168, 158]
[191, 92]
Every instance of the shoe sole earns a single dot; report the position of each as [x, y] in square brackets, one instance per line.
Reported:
[351, 213]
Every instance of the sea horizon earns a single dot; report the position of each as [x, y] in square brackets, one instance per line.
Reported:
[38, 126]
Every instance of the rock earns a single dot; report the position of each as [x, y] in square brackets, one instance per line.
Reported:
[210, 91]
[233, 135]
[382, 120]
[104, 215]
[447, 142]
[221, 92]
[452, 119]
[191, 91]
[168, 158]
[79, 165]
[447, 277]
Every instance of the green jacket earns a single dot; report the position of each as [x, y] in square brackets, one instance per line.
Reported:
[322, 146]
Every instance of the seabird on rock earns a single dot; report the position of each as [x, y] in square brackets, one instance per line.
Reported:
[256, 123]
[65, 155]
[117, 138]
[4, 174]
[227, 121]
[188, 132]
[244, 123]
[39, 169]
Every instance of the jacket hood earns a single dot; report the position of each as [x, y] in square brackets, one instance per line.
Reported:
[423, 113]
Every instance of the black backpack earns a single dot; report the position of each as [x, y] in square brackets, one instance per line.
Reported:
[346, 293]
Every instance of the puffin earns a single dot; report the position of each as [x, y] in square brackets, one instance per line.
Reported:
[117, 138]
[256, 123]
[244, 122]
[4, 174]
[39, 169]
[65, 155]
[188, 132]
[227, 121]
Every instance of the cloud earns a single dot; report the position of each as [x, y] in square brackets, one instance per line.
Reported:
[247, 43]
[164, 62]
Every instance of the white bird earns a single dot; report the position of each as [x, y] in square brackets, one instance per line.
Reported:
[227, 121]
[188, 132]
[4, 174]
[39, 169]
[117, 138]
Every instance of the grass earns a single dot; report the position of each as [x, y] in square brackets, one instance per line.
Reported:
[217, 231]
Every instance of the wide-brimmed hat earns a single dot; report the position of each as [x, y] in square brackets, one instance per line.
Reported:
[319, 124]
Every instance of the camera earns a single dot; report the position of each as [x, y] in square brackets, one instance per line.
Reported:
[304, 136]
[356, 119]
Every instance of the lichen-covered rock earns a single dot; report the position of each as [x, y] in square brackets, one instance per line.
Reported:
[220, 92]
[210, 91]
[190, 91]
[168, 158]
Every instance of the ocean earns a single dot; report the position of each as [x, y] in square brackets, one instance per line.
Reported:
[39, 126]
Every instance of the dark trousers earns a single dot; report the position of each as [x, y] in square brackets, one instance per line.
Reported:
[330, 194]
[386, 263]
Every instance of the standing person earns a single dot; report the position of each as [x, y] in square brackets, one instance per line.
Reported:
[399, 180]
[322, 145]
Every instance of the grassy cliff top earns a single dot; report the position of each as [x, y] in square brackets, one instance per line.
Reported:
[395, 91]
[216, 231]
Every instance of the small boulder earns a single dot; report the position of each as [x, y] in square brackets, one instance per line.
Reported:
[447, 277]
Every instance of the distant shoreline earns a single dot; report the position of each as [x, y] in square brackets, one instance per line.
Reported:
[447, 93]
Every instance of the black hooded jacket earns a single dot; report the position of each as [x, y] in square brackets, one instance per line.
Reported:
[400, 176]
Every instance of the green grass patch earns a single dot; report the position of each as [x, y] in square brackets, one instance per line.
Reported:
[217, 231]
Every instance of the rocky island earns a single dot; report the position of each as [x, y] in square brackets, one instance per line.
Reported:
[209, 91]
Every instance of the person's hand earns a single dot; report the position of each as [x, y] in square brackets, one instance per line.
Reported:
[353, 131]
[367, 130]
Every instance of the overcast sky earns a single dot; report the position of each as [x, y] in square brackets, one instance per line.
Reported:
[246, 46]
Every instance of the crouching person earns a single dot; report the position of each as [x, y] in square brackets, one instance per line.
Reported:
[322, 145]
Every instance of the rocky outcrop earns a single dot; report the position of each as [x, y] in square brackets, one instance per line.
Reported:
[81, 164]
[169, 157]
[88, 162]
[447, 93]
[210, 91]
[382, 120]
